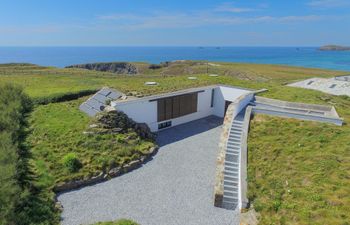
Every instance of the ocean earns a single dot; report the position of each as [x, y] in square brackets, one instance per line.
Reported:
[64, 56]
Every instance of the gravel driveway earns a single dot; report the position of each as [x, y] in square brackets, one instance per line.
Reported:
[175, 188]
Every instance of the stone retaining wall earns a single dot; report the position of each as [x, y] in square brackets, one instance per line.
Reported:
[232, 111]
[75, 184]
[220, 162]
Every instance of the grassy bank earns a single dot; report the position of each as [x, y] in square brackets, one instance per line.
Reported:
[299, 171]
[57, 130]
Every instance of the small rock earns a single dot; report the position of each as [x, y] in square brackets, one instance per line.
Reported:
[93, 126]
[116, 130]
[114, 172]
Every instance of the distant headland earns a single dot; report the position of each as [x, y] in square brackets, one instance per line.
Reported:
[334, 48]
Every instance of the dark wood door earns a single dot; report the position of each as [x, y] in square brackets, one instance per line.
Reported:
[227, 103]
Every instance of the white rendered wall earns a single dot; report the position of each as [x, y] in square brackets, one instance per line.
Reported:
[140, 111]
[223, 94]
[145, 111]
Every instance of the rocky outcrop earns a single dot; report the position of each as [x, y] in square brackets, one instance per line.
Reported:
[114, 121]
[334, 48]
[114, 67]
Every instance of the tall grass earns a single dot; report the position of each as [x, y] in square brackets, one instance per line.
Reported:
[20, 200]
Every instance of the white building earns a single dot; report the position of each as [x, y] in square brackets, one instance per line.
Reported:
[171, 109]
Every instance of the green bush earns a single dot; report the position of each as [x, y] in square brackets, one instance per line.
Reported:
[71, 162]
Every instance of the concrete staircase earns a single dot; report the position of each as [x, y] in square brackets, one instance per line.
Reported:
[232, 164]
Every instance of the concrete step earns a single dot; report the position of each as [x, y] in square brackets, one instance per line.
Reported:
[231, 174]
[236, 132]
[231, 188]
[232, 164]
[236, 152]
[230, 194]
[229, 183]
[235, 146]
[238, 121]
[232, 158]
[230, 199]
[238, 148]
[235, 136]
[231, 169]
[232, 153]
[236, 129]
[233, 150]
[233, 143]
[230, 178]
[238, 139]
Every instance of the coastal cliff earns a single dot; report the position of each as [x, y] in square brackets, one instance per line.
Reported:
[334, 48]
[114, 67]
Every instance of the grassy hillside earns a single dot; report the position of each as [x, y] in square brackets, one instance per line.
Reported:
[322, 156]
[45, 81]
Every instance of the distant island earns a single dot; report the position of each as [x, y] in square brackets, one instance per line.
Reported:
[334, 48]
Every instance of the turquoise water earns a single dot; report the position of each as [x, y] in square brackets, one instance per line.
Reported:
[64, 56]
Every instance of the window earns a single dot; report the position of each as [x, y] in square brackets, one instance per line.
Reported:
[212, 98]
[164, 125]
[177, 106]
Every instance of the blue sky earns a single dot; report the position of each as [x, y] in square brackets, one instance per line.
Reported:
[174, 23]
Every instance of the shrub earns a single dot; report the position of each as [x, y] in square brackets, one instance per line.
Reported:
[155, 66]
[71, 162]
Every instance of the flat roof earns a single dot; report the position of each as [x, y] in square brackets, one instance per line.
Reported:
[180, 92]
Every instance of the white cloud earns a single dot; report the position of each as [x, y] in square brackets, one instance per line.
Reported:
[329, 3]
[199, 19]
[229, 7]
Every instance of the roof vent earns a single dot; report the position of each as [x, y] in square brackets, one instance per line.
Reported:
[151, 83]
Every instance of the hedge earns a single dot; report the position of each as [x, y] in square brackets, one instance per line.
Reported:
[69, 96]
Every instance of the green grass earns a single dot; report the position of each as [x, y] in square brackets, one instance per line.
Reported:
[57, 129]
[299, 171]
[312, 157]
[45, 81]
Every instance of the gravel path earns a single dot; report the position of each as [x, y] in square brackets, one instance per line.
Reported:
[175, 188]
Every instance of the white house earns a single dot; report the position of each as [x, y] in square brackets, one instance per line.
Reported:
[171, 109]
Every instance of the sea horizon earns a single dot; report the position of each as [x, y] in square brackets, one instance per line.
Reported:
[62, 56]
